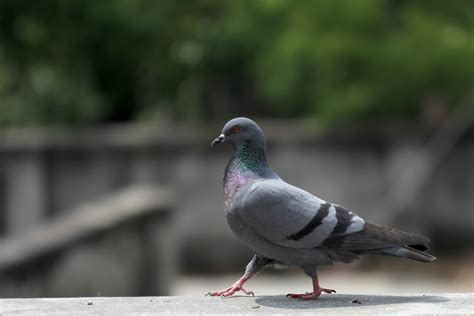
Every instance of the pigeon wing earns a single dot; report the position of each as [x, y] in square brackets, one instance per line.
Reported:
[291, 217]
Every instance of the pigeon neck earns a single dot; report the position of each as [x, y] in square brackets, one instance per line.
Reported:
[248, 162]
[249, 157]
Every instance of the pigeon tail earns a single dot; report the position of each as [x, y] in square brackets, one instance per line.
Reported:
[411, 246]
[408, 252]
[380, 240]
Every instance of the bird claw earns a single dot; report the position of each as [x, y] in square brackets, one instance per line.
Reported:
[250, 293]
[329, 291]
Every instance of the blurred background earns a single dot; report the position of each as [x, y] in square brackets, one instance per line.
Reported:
[107, 110]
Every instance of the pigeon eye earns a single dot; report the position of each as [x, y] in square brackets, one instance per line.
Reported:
[235, 129]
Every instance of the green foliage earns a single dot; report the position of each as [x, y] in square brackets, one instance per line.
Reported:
[82, 62]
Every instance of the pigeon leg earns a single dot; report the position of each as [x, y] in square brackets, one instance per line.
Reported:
[317, 290]
[254, 266]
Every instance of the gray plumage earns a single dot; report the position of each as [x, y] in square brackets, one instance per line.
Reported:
[285, 224]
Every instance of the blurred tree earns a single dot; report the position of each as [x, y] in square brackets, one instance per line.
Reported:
[83, 62]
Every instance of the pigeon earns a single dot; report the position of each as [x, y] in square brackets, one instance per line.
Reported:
[287, 226]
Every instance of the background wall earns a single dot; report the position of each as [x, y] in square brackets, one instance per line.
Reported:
[360, 169]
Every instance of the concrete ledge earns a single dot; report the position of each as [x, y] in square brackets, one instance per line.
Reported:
[343, 304]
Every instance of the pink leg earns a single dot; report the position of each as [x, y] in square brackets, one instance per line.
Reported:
[317, 290]
[237, 286]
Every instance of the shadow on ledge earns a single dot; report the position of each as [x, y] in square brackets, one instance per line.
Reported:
[345, 300]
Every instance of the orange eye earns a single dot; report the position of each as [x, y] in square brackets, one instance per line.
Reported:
[235, 129]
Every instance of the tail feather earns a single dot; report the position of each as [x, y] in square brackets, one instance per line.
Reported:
[379, 240]
[408, 252]
[392, 235]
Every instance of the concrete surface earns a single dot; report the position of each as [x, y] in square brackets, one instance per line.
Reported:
[334, 304]
[342, 278]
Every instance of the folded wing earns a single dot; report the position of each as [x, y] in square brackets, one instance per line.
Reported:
[291, 217]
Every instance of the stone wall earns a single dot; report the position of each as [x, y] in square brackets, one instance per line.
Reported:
[116, 246]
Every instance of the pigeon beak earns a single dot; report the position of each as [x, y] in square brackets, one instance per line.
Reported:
[218, 140]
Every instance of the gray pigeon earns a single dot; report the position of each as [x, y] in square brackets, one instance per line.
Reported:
[285, 225]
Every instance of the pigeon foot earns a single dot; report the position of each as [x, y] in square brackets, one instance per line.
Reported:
[230, 291]
[317, 290]
[311, 296]
[237, 286]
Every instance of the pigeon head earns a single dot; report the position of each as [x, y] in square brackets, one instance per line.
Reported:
[239, 131]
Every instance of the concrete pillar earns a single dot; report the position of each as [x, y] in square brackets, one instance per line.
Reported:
[25, 192]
